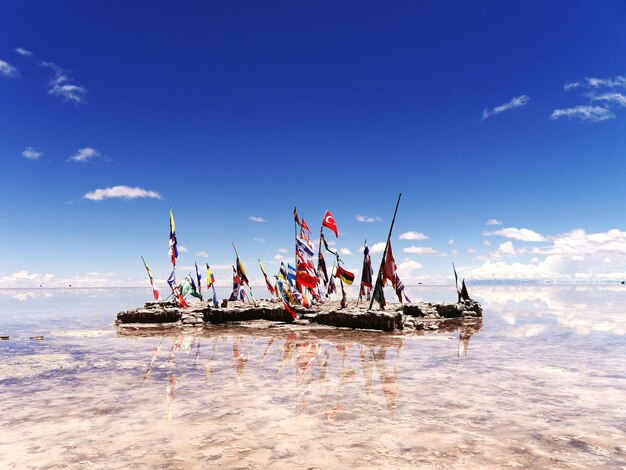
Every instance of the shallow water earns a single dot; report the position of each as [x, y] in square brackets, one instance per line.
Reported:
[538, 383]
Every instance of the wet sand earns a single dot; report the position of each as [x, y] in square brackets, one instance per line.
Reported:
[538, 383]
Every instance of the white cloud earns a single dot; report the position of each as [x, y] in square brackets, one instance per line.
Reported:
[279, 257]
[593, 82]
[514, 103]
[259, 240]
[182, 248]
[121, 192]
[486, 242]
[283, 250]
[584, 113]
[365, 218]
[493, 222]
[23, 52]
[202, 254]
[420, 250]
[610, 98]
[345, 251]
[378, 247]
[506, 249]
[7, 70]
[450, 242]
[254, 218]
[94, 279]
[522, 234]
[454, 253]
[61, 85]
[406, 269]
[86, 154]
[31, 154]
[471, 250]
[413, 236]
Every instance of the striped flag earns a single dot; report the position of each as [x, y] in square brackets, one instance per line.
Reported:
[346, 276]
[267, 280]
[199, 278]
[155, 291]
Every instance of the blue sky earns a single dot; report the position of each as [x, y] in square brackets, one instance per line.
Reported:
[226, 111]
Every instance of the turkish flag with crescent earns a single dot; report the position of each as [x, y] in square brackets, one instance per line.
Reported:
[329, 221]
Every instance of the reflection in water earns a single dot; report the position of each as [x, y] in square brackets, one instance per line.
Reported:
[322, 367]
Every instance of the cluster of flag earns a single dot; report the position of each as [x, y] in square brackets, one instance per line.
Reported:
[302, 284]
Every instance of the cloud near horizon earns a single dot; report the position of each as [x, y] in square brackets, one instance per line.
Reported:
[522, 234]
[515, 102]
[365, 218]
[413, 236]
[121, 192]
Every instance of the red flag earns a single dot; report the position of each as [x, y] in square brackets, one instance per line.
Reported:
[295, 216]
[329, 221]
[389, 271]
[304, 225]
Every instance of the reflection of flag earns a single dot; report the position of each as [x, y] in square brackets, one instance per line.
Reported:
[155, 291]
[346, 276]
[304, 225]
[329, 222]
[267, 280]
[173, 250]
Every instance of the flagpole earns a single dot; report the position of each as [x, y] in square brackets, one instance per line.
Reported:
[382, 261]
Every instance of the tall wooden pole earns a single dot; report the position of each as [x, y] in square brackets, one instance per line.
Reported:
[382, 262]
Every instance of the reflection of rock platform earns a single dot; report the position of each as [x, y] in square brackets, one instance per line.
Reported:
[397, 317]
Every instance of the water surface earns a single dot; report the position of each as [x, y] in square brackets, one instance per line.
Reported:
[537, 383]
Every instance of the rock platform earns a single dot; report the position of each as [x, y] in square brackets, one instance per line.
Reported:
[414, 316]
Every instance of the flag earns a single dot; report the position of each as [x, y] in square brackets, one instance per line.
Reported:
[321, 267]
[459, 287]
[280, 284]
[155, 291]
[366, 275]
[389, 270]
[295, 216]
[241, 272]
[399, 288]
[344, 275]
[304, 225]
[235, 293]
[305, 275]
[210, 279]
[173, 250]
[291, 274]
[329, 222]
[189, 286]
[175, 289]
[199, 278]
[464, 293]
[282, 272]
[379, 294]
[267, 280]
[304, 247]
[332, 287]
[326, 246]
[214, 297]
